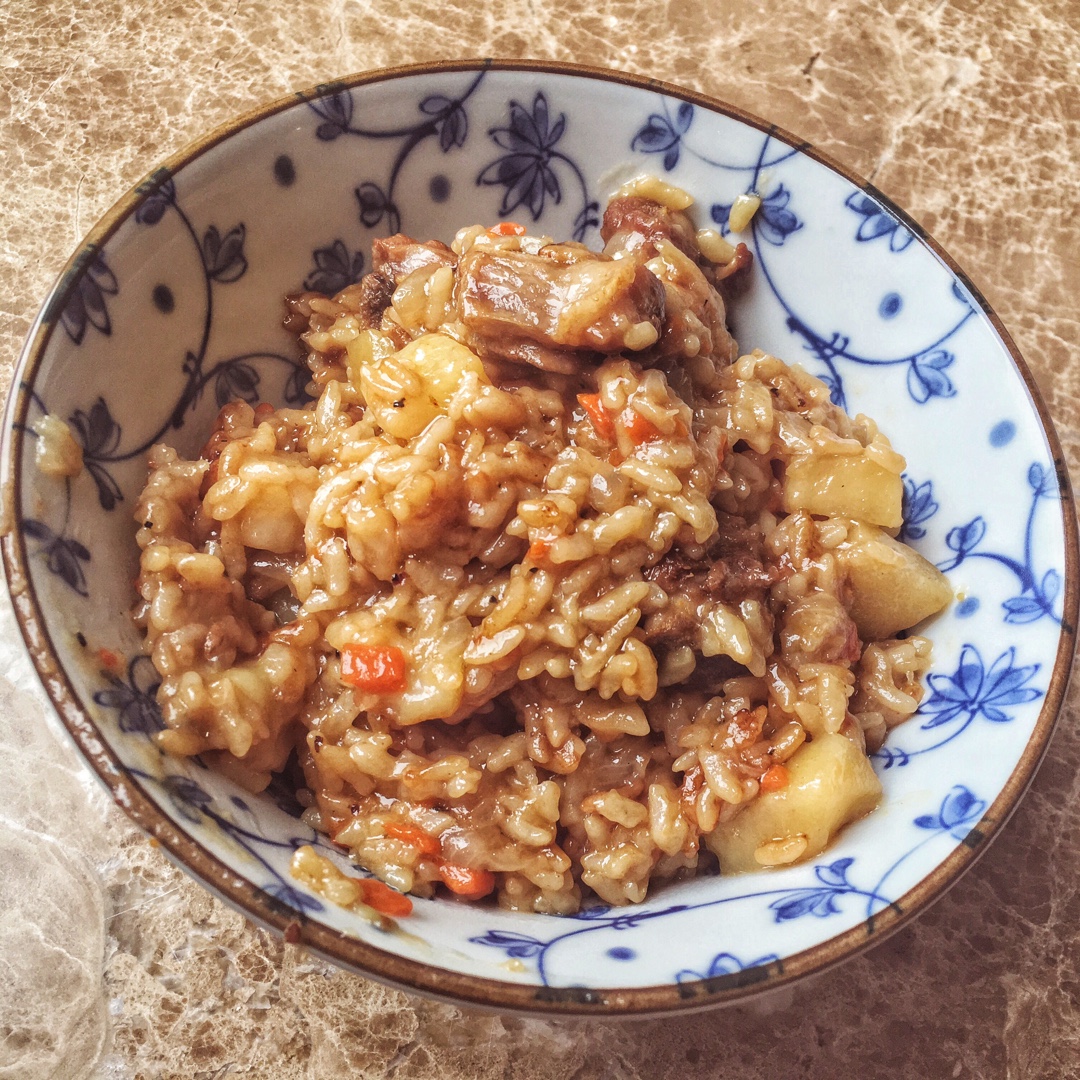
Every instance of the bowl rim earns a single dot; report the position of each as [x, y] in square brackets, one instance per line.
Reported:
[369, 960]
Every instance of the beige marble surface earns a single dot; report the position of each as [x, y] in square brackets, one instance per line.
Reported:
[115, 965]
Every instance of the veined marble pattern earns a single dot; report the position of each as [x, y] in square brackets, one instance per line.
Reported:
[965, 114]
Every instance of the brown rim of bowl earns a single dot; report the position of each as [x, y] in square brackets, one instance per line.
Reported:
[369, 960]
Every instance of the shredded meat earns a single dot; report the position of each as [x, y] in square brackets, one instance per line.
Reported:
[557, 309]
[732, 571]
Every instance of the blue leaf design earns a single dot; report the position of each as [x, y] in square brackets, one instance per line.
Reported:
[960, 807]
[223, 256]
[335, 269]
[918, 506]
[1050, 586]
[835, 873]
[926, 376]
[774, 221]
[655, 137]
[684, 116]
[517, 946]
[237, 381]
[877, 222]
[336, 111]
[1023, 609]
[293, 898]
[965, 538]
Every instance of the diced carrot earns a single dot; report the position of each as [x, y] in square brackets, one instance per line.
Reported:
[414, 836]
[385, 900]
[507, 228]
[467, 882]
[598, 414]
[638, 428]
[538, 550]
[108, 659]
[379, 669]
[775, 778]
[263, 410]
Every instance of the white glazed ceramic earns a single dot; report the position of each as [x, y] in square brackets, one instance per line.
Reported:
[172, 306]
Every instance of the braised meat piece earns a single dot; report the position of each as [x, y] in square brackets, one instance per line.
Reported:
[732, 571]
[397, 256]
[644, 222]
[558, 308]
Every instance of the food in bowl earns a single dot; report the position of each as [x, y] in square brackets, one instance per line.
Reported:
[550, 593]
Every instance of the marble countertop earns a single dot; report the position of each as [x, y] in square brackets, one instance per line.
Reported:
[115, 965]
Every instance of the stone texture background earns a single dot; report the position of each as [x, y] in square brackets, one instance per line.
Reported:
[113, 965]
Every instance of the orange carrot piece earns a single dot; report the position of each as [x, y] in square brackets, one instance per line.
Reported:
[263, 410]
[385, 900]
[108, 659]
[379, 669]
[538, 550]
[775, 778]
[467, 882]
[507, 228]
[638, 428]
[598, 414]
[414, 836]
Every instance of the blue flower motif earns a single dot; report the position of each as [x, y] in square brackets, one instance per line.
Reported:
[960, 809]
[819, 902]
[86, 304]
[660, 136]
[773, 222]
[724, 963]
[918, 506]
[974, 690]
[335, 269]
[525, 170]
[926, 376]
[877, 222]
[134, 697]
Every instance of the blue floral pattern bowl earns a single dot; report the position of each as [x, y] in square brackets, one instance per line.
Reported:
[172, 305]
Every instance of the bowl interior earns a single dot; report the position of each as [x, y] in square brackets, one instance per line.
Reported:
[173, 306]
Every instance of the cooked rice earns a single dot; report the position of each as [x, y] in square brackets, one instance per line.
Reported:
[559, 727]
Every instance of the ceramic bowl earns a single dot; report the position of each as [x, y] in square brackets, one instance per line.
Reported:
[172, 306]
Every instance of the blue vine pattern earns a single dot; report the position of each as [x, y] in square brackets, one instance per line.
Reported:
[1038, 594]
[223, 261]
[197, 806]
[971, 691]
[819, 900]
[667, 134]
[445, 119]
[957, 818]
[527, 170]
